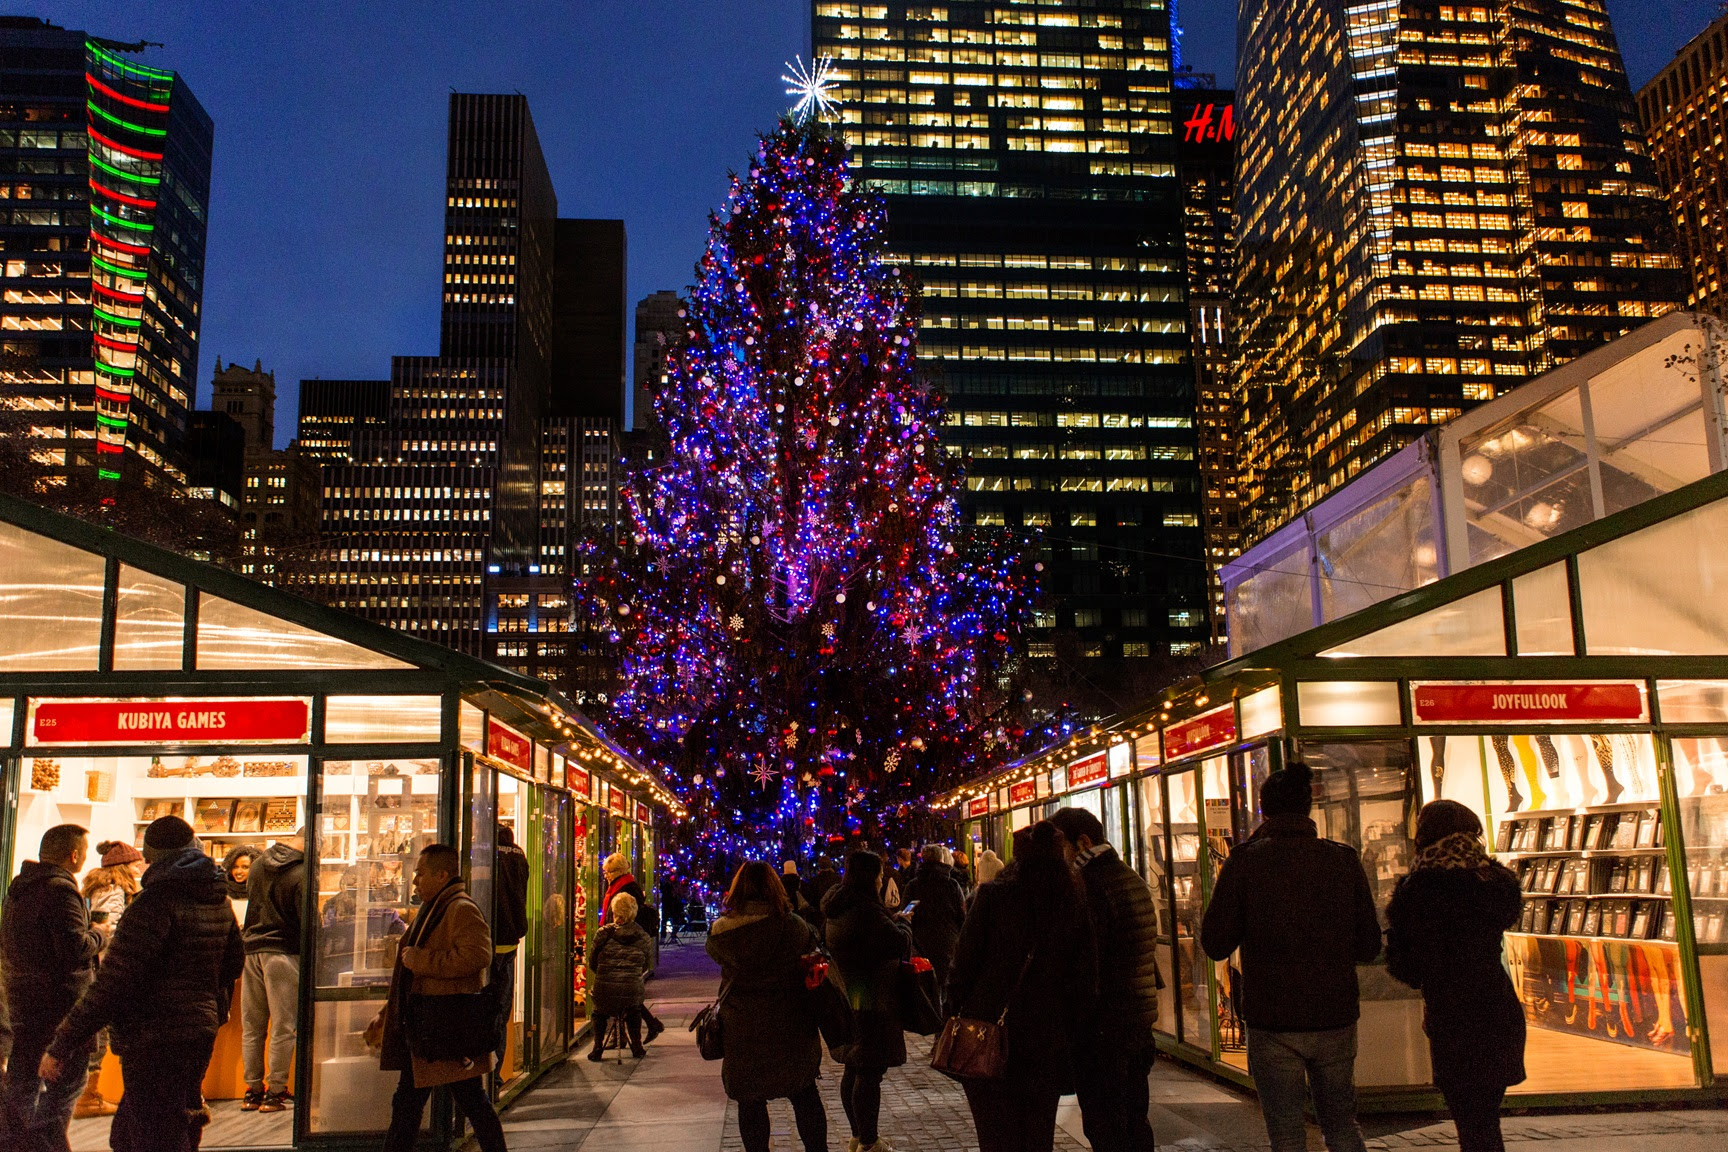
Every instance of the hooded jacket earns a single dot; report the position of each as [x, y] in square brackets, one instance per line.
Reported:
[49, 947]
[772, 1046]
[868, 943]
[1125, 926]
[1300, 909]
[170, 968]
[273, 893]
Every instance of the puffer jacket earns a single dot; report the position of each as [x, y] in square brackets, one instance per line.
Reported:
[868, 943]
[1125, 926]
[170, 968]
[49, 948]
[618, 958]
[769, 1024]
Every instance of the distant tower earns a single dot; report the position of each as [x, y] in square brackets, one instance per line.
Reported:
[249, 396]
[658, 328]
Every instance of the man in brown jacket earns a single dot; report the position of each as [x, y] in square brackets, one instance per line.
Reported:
[447, 951]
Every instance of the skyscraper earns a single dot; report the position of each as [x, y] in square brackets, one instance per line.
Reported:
[588, 304]
[1028, 159]
[1435, 203]
[109, 169]
[1207, 159]
[1686, 114]
[658, 328]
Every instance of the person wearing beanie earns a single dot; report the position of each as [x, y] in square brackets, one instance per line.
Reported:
[108, 889]
[989, 866]
[162, 992]
[1444, 930]
[1299, 909]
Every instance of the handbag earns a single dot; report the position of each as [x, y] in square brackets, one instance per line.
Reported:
[460, 1026]
[828, 1002]
[710, 1040]
[977, 1050]
[919, 998]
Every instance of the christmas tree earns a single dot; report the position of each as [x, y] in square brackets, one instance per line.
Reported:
[808, 632]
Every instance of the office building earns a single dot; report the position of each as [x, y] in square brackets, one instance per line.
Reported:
[335, 416]
[588, 333]
[248, 395]
[1206, 117]
[1438, 203]
[1685, 113]
[659, 327]
[1027, 154]
[107, 177]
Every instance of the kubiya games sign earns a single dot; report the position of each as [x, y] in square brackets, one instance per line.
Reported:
[195, 721]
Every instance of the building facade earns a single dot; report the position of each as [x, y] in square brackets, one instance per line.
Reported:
[1434, 204]
[1685, 112]
[658, 328]
[335, 416]
[1028, 159]
[107, 164]
[249, 396]
[1207, 159]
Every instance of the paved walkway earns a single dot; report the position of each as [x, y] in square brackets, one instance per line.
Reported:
[671, 1101]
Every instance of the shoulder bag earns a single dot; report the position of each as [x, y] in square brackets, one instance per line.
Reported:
[459, 1026]
[710, 1040]
[919, 998]
[977, 1050]
[828, 1001]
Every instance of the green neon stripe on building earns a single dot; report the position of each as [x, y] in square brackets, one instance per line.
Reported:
[126, 124]
[104, 474]
[113, 319]
[119, 223]
[108, 57]
[134, 273]
[122, 173]
[110, 421]
[113, 371]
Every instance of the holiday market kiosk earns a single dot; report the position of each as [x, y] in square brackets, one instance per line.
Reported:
[136, 683]
[1575, 695]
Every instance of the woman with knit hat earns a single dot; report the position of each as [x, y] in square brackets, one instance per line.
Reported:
[1444, 937]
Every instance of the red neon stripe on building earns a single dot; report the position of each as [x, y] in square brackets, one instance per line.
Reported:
[117, 345]
[135, 153]
[132, 100]
[121, 246]
[122, 197]
[104, 446]
[124, 297]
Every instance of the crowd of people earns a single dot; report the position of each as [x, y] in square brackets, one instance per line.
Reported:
[1058, 949]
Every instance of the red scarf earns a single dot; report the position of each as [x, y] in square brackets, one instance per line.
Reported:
[612, 890]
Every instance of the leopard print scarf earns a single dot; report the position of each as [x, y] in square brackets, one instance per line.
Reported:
[1459, 850]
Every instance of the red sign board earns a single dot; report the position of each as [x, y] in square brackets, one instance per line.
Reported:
[1023, 793]
[978, 807]
[506, 744]
[618, 801]
[1208, 730]
[1210, 124]
[641, 812]
[576, 779]
[1525, 702]
[1088, 771]
[209, 721]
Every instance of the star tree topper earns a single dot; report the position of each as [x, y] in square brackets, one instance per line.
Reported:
[814, 86]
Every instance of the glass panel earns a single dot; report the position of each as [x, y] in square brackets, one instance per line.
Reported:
[1542, 606]
[1348, 703]
[1364, 796]
[1649, 423]
[1262, 712]
[349, 1092]
[473, 724]
[1384, 549]
[1274, 602]
[1472, 626]
[554, 951]
[1151, 858]
[1701, 780]
[375, 817]
[149, 622]
[1148, 752]
[1659, 591]
[1527, 478]
[1693, 702]
[7, 705]
[50, 604]
[1191, 962]
[383, 719]
[232, 635]
[513, 797]
[1576, 817]
[482, 836]
[585, 838]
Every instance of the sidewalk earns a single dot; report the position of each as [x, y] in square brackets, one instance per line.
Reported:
[671, 1101]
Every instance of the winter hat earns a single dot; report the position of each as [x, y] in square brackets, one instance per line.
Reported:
[1289, 792]
[1443, 818]
[989, 866]
[117, 852]
[166, 835]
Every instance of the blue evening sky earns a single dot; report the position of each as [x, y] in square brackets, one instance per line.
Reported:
[326, 216]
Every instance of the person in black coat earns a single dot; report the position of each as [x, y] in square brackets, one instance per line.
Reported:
[868, 944]
[49, 952]
[768, 1022]
[509, 926]
[1300, 909]
[1444, 937]
[940, 912]
[162, 992]
[618, 959]
[1027, 949]
[1116, 1061]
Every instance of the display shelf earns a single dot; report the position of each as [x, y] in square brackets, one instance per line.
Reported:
[232, 787]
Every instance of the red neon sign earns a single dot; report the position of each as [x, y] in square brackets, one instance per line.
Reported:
[1202, 128]
[1088, 771]
[1506, 703]
[223, 721]
[1023, 792]
[506, 744]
